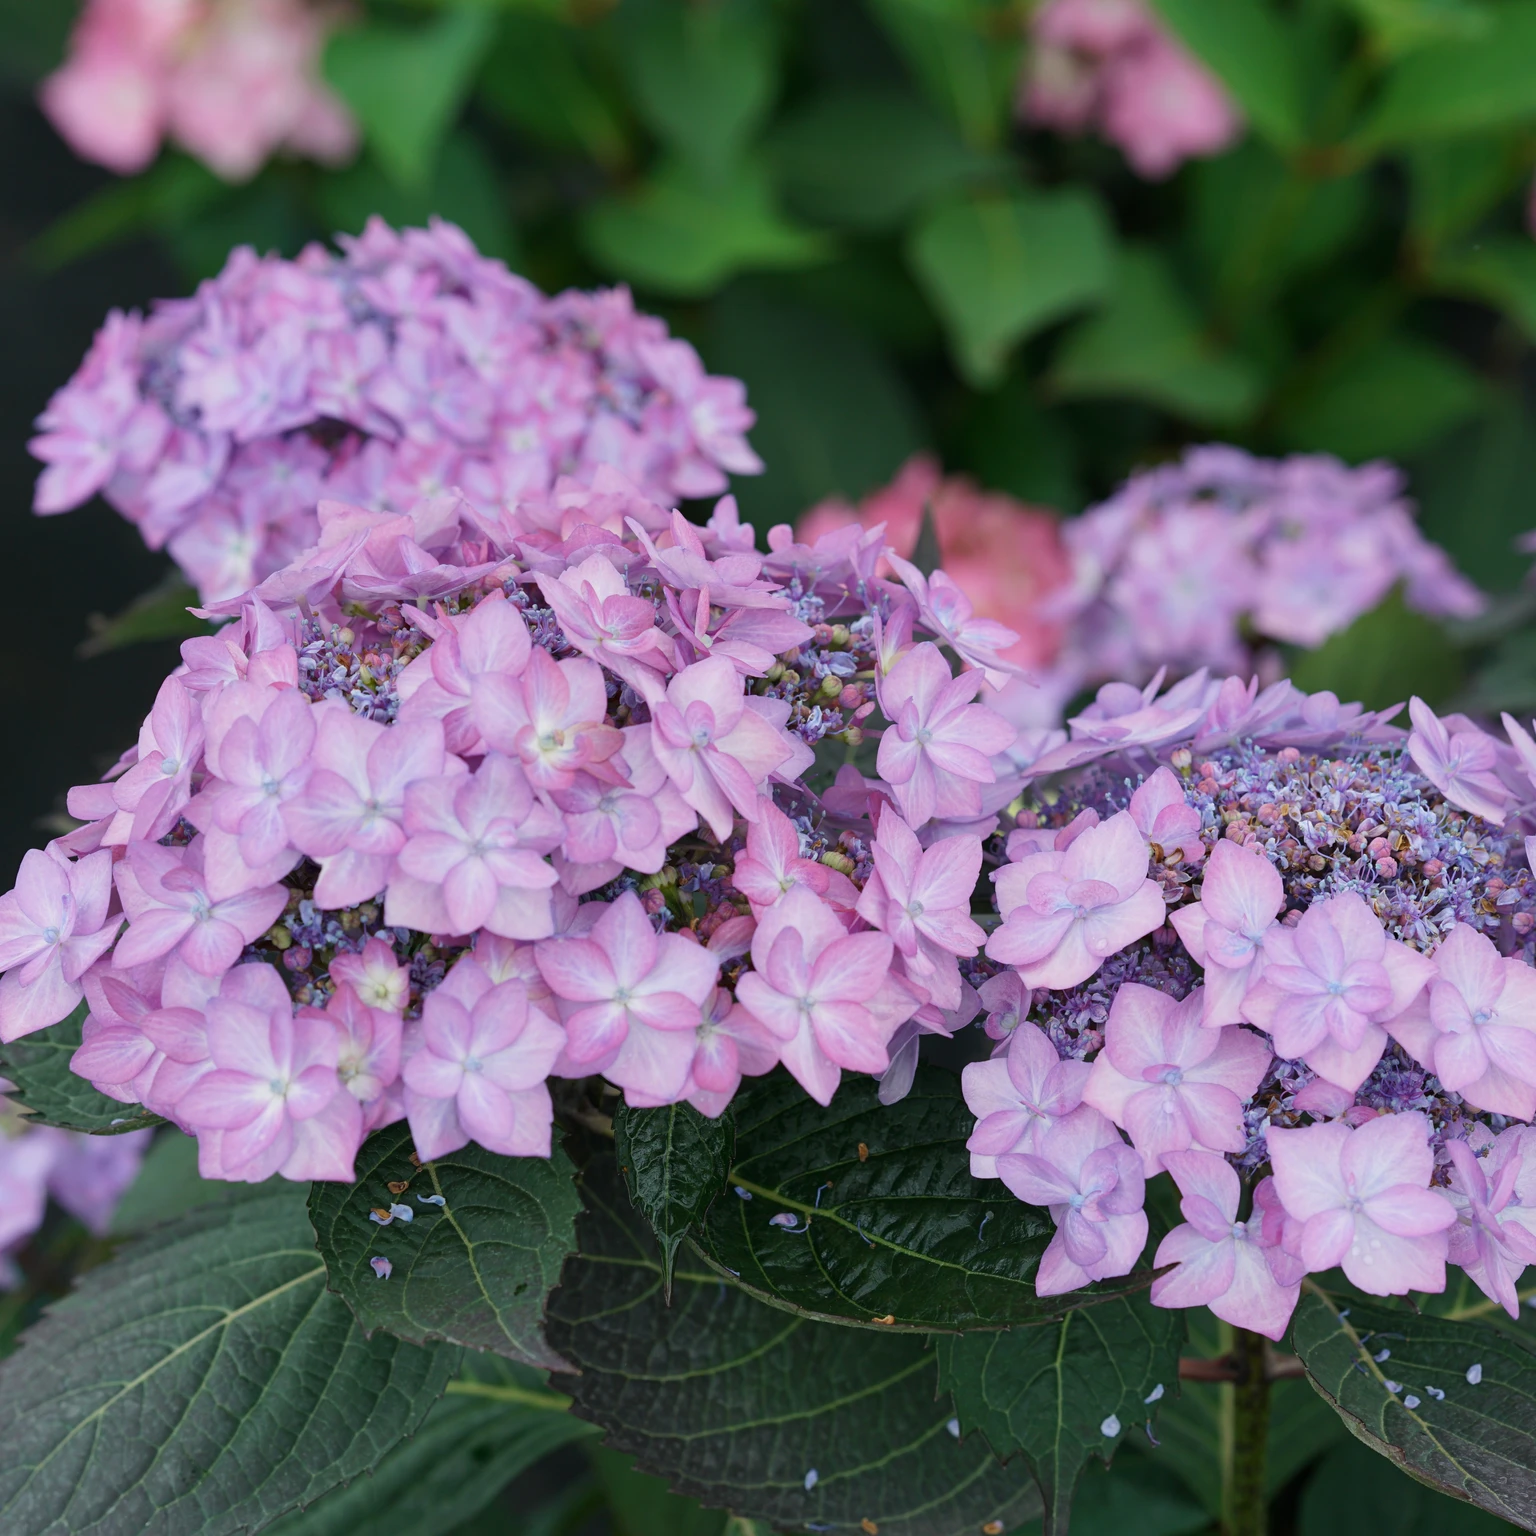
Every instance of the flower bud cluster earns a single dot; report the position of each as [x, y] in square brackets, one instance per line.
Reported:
[406, 365]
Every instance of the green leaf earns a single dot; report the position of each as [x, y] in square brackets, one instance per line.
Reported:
[674, 1161]
[965, 54]
[406, 83]
[998, 268]
[1350, 1490]
[1399, 26]
[674, 234]
[158, 614]
[1501, 271]
[168, 1185]
[703, 76]
[865, 158]
[1010, 444]
[644, 1506]
[834, 417]
[736, 1404]
[33, 40]
[1385, 657]
[474, 1270]
[1139, 1496]
[494, 1423]
[1477, 1442]
[1466, 85]
[1394, 398]
[903, 1233]
[38, 1064]
[1147, 343]
[537, 78]
[463, 188]
[202, 1384]
[1066, 1391]
[1454, 183]
[1253, 52]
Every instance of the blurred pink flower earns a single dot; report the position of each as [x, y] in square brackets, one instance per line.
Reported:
[1494, 1238]
[1004, 556]
[1462, 763]
[231, 81]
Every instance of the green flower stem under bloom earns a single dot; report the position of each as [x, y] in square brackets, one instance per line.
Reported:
[1243, 1511]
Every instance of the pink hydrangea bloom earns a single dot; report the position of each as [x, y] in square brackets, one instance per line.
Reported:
[731, 1044]
[1094, 1187]
[1065, 913]
[716, 746]
[554, 721]
[477, 1065]
[367, 1060]
[1166, 818]
[1240, 900]
[53, 928]
[1494, 1197]
[1328, 985]
[1220, 1262]
[1005, 1000]
[271, 1071]
[265, 763]
[921, 898]
[630, 1000]
[350, 816]
[1169, 1081]
[375, 976]
[1363, 1200]
[1474, 1025]
[1018, 1096]
[473, 855]
[1462, 764]
[827, 996]
[939, 754]
[176, 908]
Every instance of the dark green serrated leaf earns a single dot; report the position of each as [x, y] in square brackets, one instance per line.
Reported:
[905, 1234]
[38, 1064]
[736, 1404]
[674, 1161]
[474, 1270]
[1477, 1442]
[203, 1383]
[1063, 1392]
[495, 1422]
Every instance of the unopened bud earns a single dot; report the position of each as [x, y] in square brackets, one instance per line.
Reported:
[774, 673]
[1181, 758]
[854, 736]
[831, 687]
[839, 637]
[279, 937]
[850, 696]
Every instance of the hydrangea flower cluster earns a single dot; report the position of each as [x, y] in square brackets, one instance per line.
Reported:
[1187, 563]
[1112, 66]
[381, 376]
[230, 81]
[1286, 954]
[458, 802]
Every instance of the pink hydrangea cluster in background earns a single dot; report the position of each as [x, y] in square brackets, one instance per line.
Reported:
[230, 81]
[1112, 66]
[407, 365]
[1193, 564]
[86, 1175]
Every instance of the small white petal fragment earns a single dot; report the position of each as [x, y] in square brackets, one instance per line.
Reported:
[381, 1216]
[1385, 1354]
[811, 1479]
[381, 1267]
[1474, 1374]
[402, 1213]
[1410, 1401]
[954, 1428]
[1393, 1386]
[1155, 1395]
[1436, 1393]
[437, 1200]
[1110, 1427]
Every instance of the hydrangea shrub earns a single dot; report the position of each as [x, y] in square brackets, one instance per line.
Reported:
[538, 908]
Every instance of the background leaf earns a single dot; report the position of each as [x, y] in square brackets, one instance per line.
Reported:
[159, 614]
[999, 267]
[1147, 342]
[407, 83]
[903, 1237]
[38, 1064]
[674, 1161]
[1477, 1442]
[203, 1383]
[474, 1270]
[867, 158]
[736, 1404]
[1064, 1392]
[496, 1421]
[1385, 657]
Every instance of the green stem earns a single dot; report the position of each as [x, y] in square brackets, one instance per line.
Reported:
[1244, 1492]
